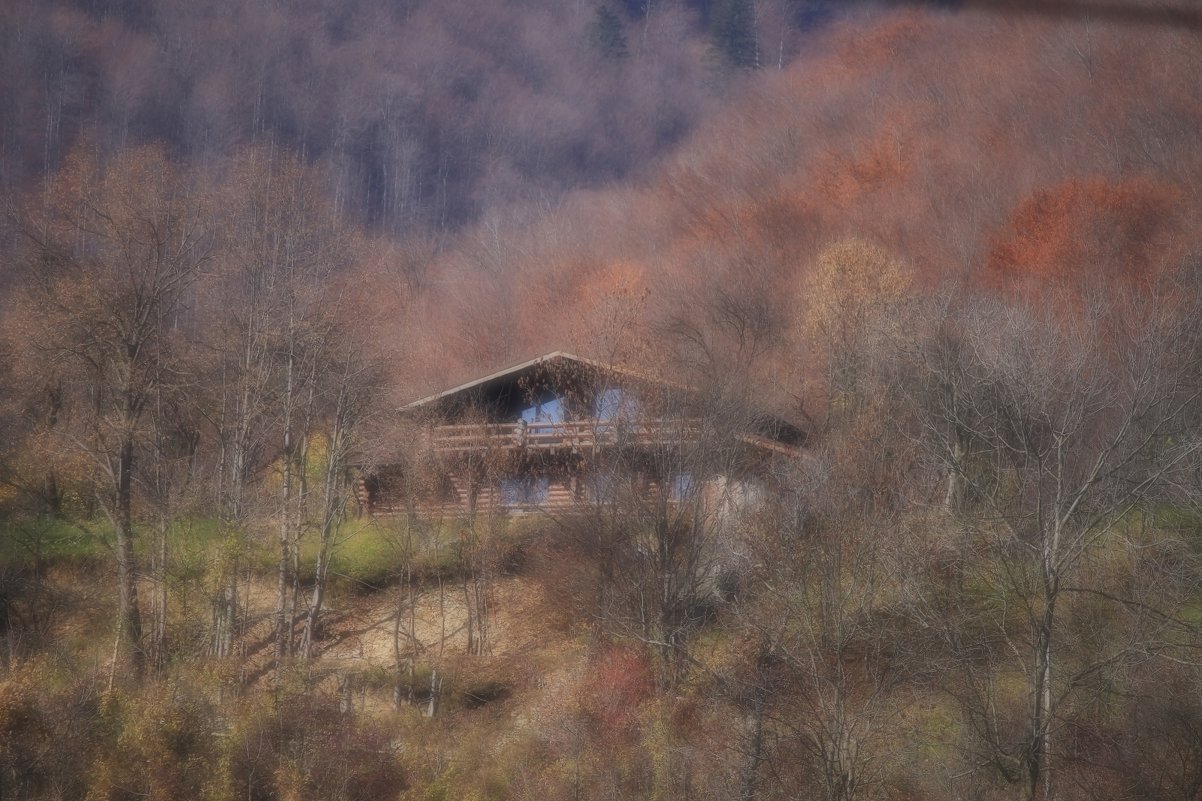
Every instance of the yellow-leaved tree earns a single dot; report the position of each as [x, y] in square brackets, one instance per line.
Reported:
[855, 302]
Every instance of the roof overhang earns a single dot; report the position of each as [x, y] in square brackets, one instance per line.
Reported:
[546, 358]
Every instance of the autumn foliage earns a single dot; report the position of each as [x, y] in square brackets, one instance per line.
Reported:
[1090, 228]
[953, 248]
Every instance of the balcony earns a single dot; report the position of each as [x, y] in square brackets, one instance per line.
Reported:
[572, 436]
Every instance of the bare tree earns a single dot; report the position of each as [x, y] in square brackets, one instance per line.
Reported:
[347, 388]
[820, 682]
[828, 662]
[284, 246]
[1062, 419]
[113, 251]
[169, 477]
[658, 506]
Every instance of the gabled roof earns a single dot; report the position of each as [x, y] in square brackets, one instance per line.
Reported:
[761, 438]
[546, 358]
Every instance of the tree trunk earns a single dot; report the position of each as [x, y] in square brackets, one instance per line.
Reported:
[469, 608]
[405, 668]
[128, 615]
[954, 493]
[749, 787]
[283, 626]
[158, 643]
[1041, 712]
[332, 507]
[316, 601]
[435, 689]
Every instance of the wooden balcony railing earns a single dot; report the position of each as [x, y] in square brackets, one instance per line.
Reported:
[571, 435]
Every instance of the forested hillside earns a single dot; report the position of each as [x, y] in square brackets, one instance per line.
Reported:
[954, 247]
[422, 114]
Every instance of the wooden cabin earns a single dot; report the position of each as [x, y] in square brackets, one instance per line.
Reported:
[560, 433]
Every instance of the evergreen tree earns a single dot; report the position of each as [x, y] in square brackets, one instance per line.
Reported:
[606, 34]
[733, 30]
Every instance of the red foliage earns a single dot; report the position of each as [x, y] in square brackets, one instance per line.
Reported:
[1085, 229]
[618, 679]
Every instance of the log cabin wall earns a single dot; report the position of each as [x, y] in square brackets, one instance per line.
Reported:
[560, 489]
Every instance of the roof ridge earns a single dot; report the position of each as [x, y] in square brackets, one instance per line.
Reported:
[546, 357]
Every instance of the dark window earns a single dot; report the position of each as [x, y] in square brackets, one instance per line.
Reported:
[525, 490]
[682, 486]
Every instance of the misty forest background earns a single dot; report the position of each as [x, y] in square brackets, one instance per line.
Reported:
[956, 242]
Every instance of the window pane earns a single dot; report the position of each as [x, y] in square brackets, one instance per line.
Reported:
[548, 409]
[613, 404]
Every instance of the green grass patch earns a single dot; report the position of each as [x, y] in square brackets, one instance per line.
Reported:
[51, 540]
[1191, 612]
[54, 540]
[1177, 518]
[370, 553]
[937, 727]
[367, 556]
